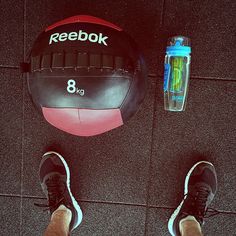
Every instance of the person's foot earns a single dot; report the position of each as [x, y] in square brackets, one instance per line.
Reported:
[55, 181]
[199, 190]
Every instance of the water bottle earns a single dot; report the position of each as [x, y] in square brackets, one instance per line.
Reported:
[176, 75]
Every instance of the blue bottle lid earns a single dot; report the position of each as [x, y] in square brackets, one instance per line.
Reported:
[178, 46]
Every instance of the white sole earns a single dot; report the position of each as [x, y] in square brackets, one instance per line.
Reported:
[75, 203]
[176, 212]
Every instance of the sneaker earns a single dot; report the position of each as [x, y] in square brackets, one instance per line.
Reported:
[55, 181]
[199, 190]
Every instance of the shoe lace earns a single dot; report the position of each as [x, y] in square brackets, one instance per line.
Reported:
[197, 205]
[56, 189]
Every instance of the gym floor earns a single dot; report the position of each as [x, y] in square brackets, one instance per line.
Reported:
[129, 180]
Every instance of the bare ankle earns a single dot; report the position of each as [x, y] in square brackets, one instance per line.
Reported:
[63, 208]
[190, 226]
[60, 222]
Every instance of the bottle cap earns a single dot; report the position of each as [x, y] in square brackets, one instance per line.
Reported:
[178, 46]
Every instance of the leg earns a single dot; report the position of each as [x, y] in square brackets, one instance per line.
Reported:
[60, 222]
[65, 211]
[199, 190]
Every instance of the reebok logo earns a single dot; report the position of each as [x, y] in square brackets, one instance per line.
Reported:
[81, 36]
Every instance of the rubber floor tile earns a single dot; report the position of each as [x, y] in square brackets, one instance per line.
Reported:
[98, 219]
[211, 28]
[214, 226]
[107, 219]
[11, 37]
[34, 219]
[11, 120]
[10, 215]
[108, 167]
[205, 131]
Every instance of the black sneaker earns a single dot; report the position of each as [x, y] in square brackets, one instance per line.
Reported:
[55, 181]
[199, 190]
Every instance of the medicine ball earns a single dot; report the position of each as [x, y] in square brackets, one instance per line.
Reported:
[86, 75]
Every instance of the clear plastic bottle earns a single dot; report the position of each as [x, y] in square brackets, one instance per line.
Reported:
[177, 71]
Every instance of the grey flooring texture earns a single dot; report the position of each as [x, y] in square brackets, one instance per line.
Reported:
[129, 180]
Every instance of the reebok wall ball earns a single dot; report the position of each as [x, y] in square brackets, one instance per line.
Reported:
[86, 75]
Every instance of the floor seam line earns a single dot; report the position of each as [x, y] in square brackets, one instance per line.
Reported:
[9, 195]
[9, 67]
[162, 14]
[150, 158]
[23, 131]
